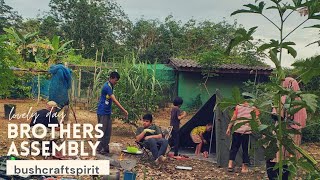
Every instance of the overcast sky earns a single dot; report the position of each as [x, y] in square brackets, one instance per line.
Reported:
[214, 10]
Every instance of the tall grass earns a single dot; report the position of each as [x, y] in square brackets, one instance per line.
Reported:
[138, 90]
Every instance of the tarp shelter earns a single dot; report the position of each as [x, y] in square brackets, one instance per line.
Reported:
[204, 116]
[219, 142]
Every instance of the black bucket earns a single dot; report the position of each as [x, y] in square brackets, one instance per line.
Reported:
[7, 110]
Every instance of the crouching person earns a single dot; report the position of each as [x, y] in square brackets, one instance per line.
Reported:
[46, 117]
[151, 137]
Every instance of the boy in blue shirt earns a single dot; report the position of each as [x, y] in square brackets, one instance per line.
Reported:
[105, 109]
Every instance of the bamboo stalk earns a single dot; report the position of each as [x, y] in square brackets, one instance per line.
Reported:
[95, 66]
[101, 59]
[79, 84]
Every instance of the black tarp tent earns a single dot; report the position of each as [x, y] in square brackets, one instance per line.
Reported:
[219, 142]
[204, 115]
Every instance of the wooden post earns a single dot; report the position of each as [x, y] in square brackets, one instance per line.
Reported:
[73, 89]
[66, 108]
[39, 88]
[79, 84]
[89, 99]
[95, 66]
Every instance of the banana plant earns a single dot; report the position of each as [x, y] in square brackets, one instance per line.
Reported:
[20, 41]
[52, 50]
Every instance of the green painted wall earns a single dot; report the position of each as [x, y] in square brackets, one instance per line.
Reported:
[190, 85]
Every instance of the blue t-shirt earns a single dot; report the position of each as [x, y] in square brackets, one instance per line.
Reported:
[105, 102]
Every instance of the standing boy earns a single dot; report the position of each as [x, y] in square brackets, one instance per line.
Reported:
[176, 116]
[104, 111]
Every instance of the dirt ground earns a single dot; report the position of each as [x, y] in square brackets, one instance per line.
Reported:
[123, 133]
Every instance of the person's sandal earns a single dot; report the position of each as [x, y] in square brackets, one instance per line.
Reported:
[230, 169]
[185, 156]
[244, 172]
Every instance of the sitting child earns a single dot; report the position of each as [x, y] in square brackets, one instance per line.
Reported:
[197, 136]
[151, 136]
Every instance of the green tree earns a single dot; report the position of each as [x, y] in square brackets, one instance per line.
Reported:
[94, 24]
[144, 34]
[6, 74]
[8, 17]
[49, 27]
[30, 26]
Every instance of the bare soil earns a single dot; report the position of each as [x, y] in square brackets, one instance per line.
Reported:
[124, 134]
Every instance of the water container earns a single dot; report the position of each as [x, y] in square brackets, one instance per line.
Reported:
[7, 110]
[128, 175]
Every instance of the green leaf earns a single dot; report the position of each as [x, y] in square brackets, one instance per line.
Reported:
[236, 95]
[252, 9]
[291, 50]
[274, 58]
[289, 145]
[262, 127]
[297, 3]
[293, 8]
[249, 95]
[311, 101]
[9, 30]
[308, 68]
[251, 31]
[306, 155]
[289, 43]
[266, 103]
[226, 104]
[294, 110]
[271, 149]
[242, 11]
[293, 131]
[314, 26]
[241, 35]
[276, 1]
[305, 164]
[261, 6]
[19, 36]
[30, 35]
[272, 7]
[273, 43]
[63, 46]
[55, 42]
[315, 17]
[238, 125]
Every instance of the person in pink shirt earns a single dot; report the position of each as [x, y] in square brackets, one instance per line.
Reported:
[299, 119]
[240, 135]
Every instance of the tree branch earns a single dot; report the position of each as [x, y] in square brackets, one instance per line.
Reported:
[271, 21]
[295, 29]
[288, 16]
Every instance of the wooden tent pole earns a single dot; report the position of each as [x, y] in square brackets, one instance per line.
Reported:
[213, 122]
